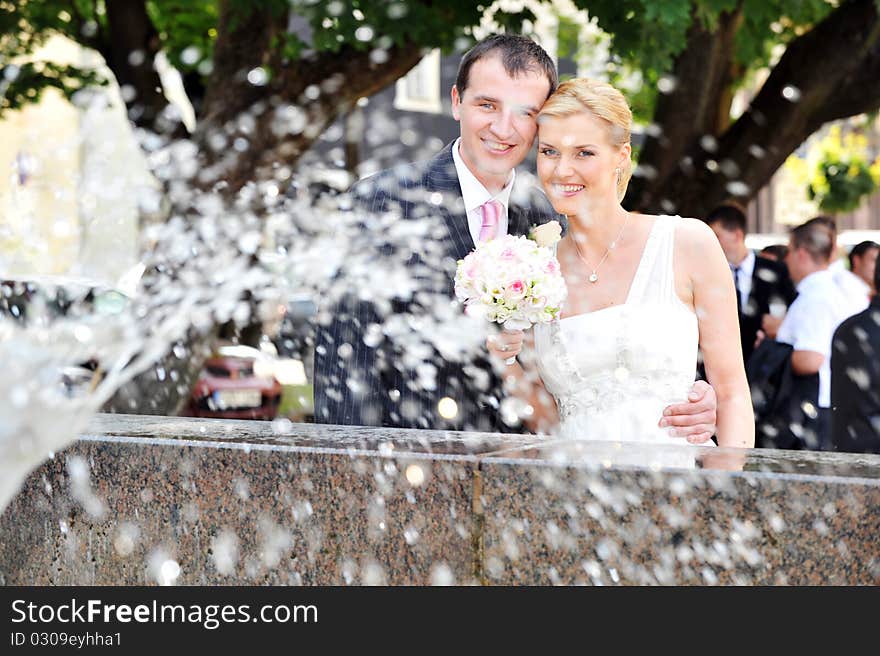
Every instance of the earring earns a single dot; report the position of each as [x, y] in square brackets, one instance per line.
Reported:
[617, 171]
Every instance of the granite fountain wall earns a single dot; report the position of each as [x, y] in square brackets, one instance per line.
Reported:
[141, 500]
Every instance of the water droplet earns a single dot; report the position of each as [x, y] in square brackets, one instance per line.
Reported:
[379, 56]
[258, 76]
[373, 574]
[709, 143]
[415, 475]
[791, 93]
[738, 188]
[282, 426]
[364, 33]
[809, 410]
[666, 84]
[447, 408]
[19, 397]
[168, 572]
[225, 550]
[190, 55]
[441, 575]
[397, 10]
[411, 535]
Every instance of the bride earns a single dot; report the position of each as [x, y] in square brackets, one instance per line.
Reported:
[643, 292]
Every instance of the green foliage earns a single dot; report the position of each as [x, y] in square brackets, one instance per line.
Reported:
[187, 29]
[840, 172]
[646, 34]
[25, 26]
[568, 37]
[845, 187]
[20, 85]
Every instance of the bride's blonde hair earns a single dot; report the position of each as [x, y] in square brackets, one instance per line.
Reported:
[603, 101]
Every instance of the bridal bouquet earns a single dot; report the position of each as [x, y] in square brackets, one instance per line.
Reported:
[513, 281]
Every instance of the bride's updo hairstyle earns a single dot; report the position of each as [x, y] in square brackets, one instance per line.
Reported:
[603, 101]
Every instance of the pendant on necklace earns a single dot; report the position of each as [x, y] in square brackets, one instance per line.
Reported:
[593, 277]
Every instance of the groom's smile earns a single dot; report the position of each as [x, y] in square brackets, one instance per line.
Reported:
[496, 147]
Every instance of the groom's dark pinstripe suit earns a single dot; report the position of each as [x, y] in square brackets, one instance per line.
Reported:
[371, 385]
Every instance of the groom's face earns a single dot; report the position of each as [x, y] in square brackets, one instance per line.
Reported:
[497, 113]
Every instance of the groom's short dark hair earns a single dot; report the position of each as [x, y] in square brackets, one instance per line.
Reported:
[518, 54]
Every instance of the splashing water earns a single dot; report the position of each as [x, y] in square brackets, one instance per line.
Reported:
[213, 259]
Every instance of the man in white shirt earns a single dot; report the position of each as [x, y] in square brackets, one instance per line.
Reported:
[809, 325]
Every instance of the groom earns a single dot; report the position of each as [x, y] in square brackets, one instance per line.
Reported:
[464, 194]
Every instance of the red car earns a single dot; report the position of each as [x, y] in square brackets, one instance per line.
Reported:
[230, 388]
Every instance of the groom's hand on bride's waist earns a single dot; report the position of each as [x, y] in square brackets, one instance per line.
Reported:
[694, 420]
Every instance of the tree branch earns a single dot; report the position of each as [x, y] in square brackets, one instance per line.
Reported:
[797, 97]
[856, 93]
[342, 78]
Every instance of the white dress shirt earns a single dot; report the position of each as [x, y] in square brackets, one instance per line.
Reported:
[857, 292]
[812, 319]
[474, 194]
[744, 277]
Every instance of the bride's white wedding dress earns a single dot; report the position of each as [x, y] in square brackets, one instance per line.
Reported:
[613, 371]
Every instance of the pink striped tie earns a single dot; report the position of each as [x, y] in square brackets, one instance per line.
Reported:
[491, 213]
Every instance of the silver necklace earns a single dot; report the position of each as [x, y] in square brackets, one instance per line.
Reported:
[594, 276]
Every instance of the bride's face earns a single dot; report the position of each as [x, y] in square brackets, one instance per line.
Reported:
[577, 162]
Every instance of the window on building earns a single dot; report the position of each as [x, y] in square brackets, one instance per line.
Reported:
[419, 90]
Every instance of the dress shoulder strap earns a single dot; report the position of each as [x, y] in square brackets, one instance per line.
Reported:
[655, 279]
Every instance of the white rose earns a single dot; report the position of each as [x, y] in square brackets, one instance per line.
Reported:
[547, 234]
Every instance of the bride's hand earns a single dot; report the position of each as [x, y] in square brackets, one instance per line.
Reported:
[694, 420]
[506, 344]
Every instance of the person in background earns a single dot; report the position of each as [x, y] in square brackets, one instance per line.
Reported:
[764, 288]
[849, 284]
[810, 323]
[863, 263]
[775, 252]
[855, 380]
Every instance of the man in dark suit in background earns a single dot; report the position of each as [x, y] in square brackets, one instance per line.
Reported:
[855, 380]
[764, 288]
[368, 374]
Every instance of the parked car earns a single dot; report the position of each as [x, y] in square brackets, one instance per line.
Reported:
[237, 382]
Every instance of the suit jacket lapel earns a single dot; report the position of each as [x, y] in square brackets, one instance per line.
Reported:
[517, 220]
[441, 177]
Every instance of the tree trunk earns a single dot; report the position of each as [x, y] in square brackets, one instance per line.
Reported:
[130, 51]
[804, 90]
[702, 75]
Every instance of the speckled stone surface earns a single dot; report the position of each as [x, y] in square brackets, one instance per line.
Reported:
[564, 513]
[254, 503]
[319, 506]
